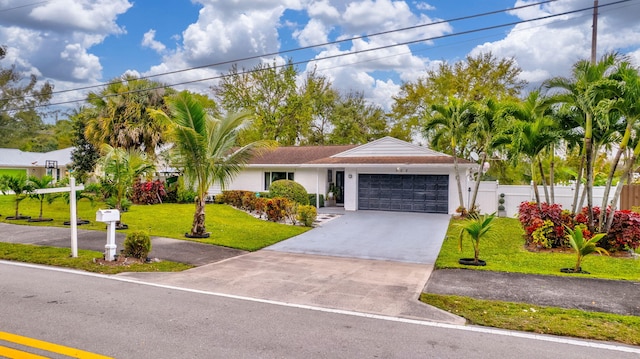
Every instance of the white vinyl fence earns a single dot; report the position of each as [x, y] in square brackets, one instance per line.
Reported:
[490, 191]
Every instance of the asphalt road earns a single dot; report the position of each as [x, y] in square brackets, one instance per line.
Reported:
[110, 316]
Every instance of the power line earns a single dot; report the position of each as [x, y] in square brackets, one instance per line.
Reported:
[324, 58]
[335, 42]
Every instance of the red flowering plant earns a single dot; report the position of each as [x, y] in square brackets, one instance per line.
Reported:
[544, 226]
[624, 233]
[148, 192]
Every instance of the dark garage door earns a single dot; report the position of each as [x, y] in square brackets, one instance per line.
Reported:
[404, 193]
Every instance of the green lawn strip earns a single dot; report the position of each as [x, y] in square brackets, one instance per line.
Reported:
[60, 257]
[228, 226]
[504, 252]
[539, 319]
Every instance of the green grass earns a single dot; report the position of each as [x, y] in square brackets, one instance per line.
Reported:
[504, 252]
[229, 227]
[539, 319]
[60, 257]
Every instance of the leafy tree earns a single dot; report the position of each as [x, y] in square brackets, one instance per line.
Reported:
[120, 116]
[475, 78]
[356, 122]
[84, 155]
[20, 103]
[445, 129]
[20, 186]
[270, 94]
[205, 148]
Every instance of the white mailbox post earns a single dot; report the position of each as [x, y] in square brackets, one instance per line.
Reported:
[110, 217]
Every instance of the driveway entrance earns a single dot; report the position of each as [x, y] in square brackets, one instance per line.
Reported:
[392, 236]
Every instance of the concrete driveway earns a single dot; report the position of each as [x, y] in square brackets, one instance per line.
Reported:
[392, 236]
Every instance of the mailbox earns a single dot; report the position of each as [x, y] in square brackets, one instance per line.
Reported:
[108, 215]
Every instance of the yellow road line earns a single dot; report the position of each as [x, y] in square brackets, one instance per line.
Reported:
[17, 354]
[50, 347]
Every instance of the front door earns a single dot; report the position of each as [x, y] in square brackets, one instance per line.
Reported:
[340, 187]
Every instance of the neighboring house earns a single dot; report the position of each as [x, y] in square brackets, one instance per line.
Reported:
[55, 163]
[387, 174]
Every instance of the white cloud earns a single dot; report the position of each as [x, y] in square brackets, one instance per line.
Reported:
[53, 38]
[420, 5]
[148, 40]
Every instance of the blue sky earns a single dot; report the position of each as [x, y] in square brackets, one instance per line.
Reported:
[77, 43]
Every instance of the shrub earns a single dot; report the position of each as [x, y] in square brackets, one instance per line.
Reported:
[290, 190]
[261, 206]
[149, 192]
[312, 200]
[234, 198]
[307, 215]
[177, 192]
[624, 233]
[137, 244]
[249, 201]
[549, 222]
[277, 208]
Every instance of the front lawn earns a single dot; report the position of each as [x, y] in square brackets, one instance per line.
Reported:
[539, 319]
[504, 252]
[228, 226]
[85, 261]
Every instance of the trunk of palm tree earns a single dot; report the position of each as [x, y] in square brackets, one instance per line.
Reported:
[627, 171]
[576, 195]
[198, 228]
[534, 184]
[607, 187]
[41, 203]
[588, 146]
[552, 174]
[457, 174]
[543, 180]
[477, 184]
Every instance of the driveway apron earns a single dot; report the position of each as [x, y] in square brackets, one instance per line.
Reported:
[392, 236]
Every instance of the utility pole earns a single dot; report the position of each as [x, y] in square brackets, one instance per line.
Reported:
[594, 32]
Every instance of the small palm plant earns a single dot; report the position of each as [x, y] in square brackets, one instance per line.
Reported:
[20, 186]
[475, 227]
[583, 247]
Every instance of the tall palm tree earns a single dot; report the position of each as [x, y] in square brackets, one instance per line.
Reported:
[205, 148]
[119, 116]
[484, 128]
[529, 134]
[446, 125]
[628, 106]
[586, 89]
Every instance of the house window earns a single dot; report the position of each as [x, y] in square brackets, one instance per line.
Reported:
[270, 177]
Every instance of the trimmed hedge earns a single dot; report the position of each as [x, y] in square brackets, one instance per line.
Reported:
[290, 190]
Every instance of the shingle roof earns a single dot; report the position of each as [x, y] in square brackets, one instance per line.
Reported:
[297, 154]
[326, 155]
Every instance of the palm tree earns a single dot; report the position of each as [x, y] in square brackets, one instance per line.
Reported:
[40, 183]
[586, 89]
[205, 149]
[20, 186]
[483, 128]
[475, 228]
[531, 132]
[121, 168]
[119, 116]
[446, 124]
[629, 108]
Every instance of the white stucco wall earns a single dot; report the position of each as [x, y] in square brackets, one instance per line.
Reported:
[252, 179]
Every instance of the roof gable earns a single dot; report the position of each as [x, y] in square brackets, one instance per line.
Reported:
[389, 147]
